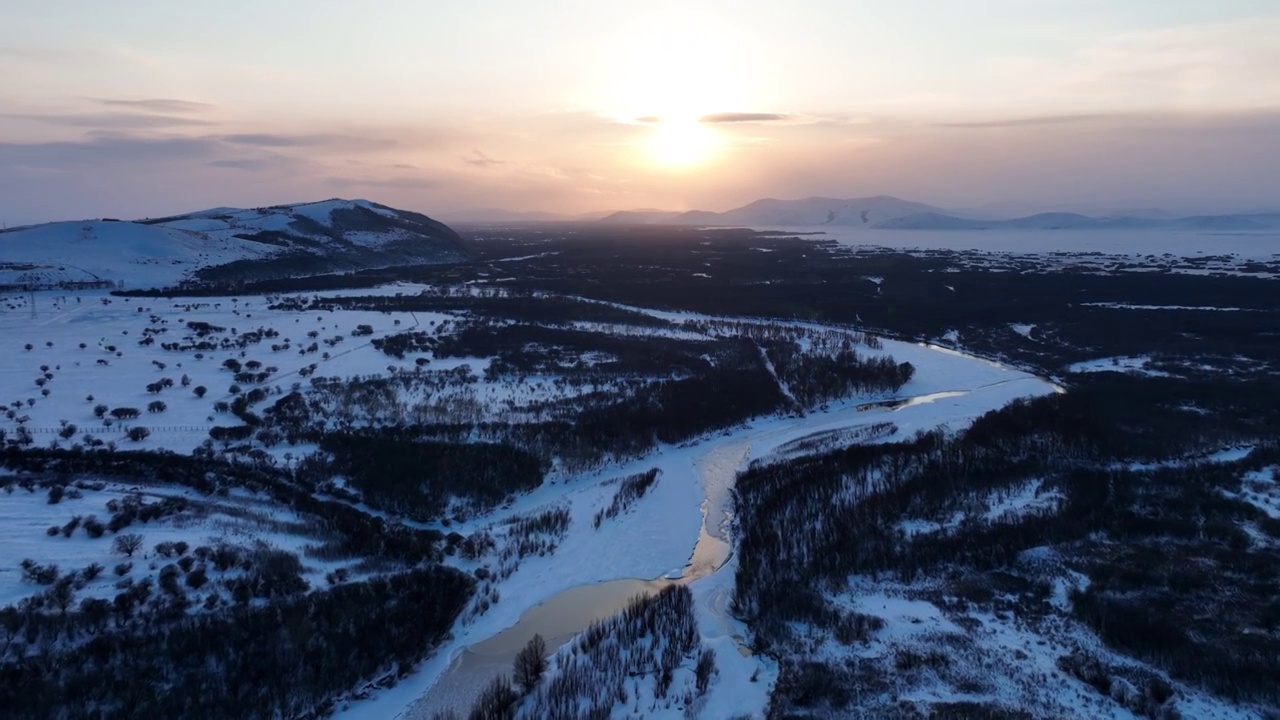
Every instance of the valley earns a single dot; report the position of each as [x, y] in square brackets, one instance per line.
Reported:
[851, 479]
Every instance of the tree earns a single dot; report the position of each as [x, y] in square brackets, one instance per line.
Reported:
[138, 433]
[531, 663]
[705, 668]
[200, 391]
[495, 701]
[127, 544]
[100, 410]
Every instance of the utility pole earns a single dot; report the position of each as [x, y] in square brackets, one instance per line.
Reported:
[33, 304]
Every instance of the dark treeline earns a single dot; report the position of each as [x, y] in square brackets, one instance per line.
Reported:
[270, 649]
[646, 643]
[813, 378]
[354, 531]
[673, 411]
[286, 658]
[528, 349]
[397, 471]
[521, 306]
[1173, 584]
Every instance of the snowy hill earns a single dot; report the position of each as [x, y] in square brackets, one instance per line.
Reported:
[225, 243]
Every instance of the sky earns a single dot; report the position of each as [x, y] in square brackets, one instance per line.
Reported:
[140, 108]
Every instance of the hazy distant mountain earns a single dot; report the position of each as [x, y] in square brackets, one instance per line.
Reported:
[227, 243]
[1075, 221]
[770, 212]
[646, 217]
[499, 215]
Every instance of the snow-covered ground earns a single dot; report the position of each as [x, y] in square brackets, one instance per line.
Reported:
[62, 323]
[240, 520]
[145, 255]
[161, 252]
[1138, 364]
[1000, 657]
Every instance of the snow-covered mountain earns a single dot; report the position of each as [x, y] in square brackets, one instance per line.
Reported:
[770, 212]
[226, 243]
[1075, 221]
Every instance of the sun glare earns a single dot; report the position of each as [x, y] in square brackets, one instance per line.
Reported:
[681, 144]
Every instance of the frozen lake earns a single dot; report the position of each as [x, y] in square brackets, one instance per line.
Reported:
[1260, 245]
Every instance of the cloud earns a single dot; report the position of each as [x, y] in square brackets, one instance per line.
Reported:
[103, 151]
[260, 164]
[117, 121]
[336, 142]
[36, 54]
[1034, 121]
[399, 183]
[480, 160]
[157, 105]
[744, 117]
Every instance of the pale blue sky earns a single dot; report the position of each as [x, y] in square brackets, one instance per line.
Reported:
[135, 108]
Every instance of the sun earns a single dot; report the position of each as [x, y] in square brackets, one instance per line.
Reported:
[680, 144]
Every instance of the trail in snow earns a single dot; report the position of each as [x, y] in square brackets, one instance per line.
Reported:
[786, 390]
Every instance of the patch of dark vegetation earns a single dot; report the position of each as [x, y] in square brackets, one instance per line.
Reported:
[646, 643]
[274, 649]
[397, 472]
[630, 490]
[1177, 581]
[288, 657]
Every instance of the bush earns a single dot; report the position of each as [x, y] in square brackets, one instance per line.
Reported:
[93, 528]
[34, 572]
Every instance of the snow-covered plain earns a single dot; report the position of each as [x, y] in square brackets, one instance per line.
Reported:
[241, 520]
[119, 377]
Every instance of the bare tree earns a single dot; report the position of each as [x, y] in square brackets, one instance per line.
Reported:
[531, 663]
[127, 544]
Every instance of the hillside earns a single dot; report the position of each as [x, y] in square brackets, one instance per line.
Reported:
[225, 244]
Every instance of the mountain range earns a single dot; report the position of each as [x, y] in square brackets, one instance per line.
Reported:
[811, 211]
[226, 244]
[884, 212]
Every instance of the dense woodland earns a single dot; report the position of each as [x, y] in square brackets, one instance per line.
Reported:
[279, 649]
[1176, 578]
